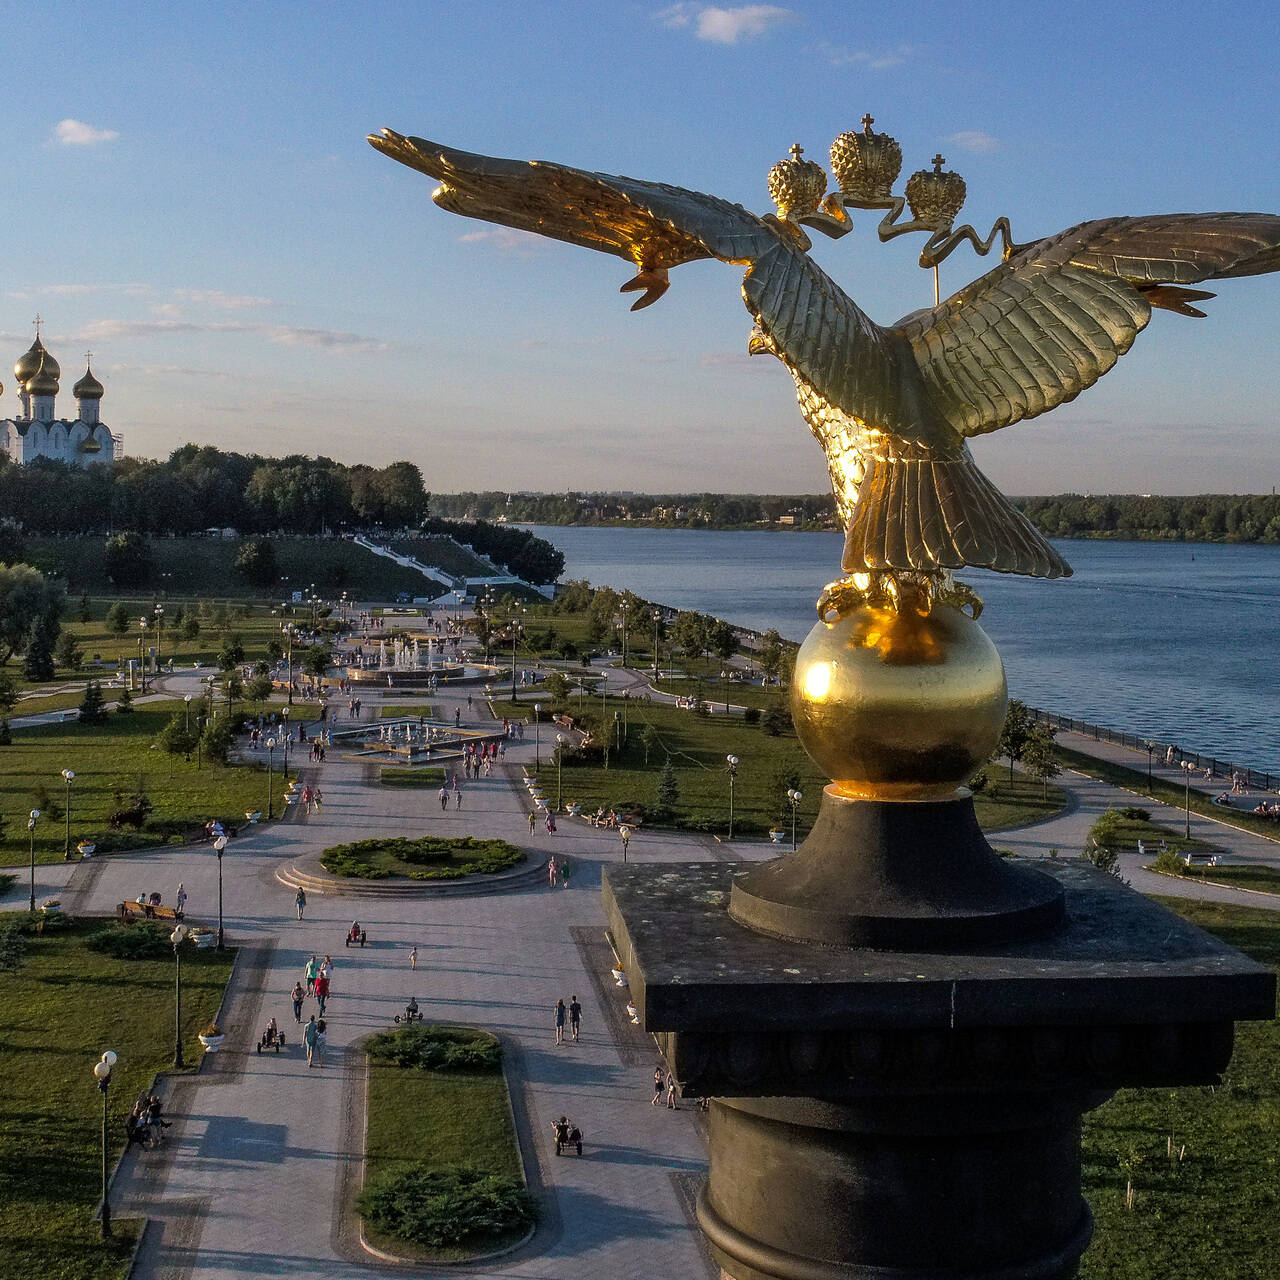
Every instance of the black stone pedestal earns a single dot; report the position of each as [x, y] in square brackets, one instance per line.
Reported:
[897, 1115]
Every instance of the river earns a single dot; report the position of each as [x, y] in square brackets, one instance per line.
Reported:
[1173, 640]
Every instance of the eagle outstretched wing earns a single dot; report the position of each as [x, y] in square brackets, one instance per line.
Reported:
[812, 323]
[1051, 320]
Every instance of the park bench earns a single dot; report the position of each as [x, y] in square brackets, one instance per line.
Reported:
[140, 911]
[1199, 858]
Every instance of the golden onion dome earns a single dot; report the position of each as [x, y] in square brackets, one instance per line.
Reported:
[88, 388]
[45, 382]
[35, 359]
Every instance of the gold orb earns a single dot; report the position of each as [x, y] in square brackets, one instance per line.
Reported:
[898, 706]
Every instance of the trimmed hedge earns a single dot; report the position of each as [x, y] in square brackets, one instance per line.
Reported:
[450, 1206]
[141, 941]
[440, 858]
[438, 1049]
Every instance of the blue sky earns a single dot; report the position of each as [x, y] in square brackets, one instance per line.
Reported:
[189, 194]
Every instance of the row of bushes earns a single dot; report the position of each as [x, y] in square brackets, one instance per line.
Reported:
[435, 1048]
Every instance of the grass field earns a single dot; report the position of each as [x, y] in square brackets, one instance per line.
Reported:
[110, 758]
[1215, 1211]
[440, 1118]
[698, 746]
[206, 567]
[423, 777]
[62, 1009]
[1263, 879]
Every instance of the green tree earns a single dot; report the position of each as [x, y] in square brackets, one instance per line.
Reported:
[231, 655]
[6, 736]
[690, 633]
[1040, 757]
[256, 560]
[649, 739]
[67, 652]
[315, 660]
[188, 628]
[8, 692]
[668, 793]
[37, 660]
[175, 737]
[776, 720]
[769, 654]
[27, 597]
[118, 620]
[217, 738]
[1015, 734]
[557, 686]
[1104, 842]
[127, 559]
[721, 639]
[83, 612]
[259, 689]
[124, 703]
[93, 709]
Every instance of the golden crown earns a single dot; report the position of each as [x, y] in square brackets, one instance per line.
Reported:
[866, 164]
[797, 186]
[936, 196]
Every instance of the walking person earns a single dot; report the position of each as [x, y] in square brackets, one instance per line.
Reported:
[575, 1017]
[533, 821]
[300, 901]
[444, 799]
[560, 1017]
[553, 870]
[671, 1092]
[457, 797]
[413, 957]
[297, 995]
[658, 1081]
[322, 991]
[310, 1037]
[310, 972]
[181, 899]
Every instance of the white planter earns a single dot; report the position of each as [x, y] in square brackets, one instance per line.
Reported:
[619, 976]
[211, 1043]
[85, 849]
[50, 909]
[778, 837]
[205, 940]
[252, 815]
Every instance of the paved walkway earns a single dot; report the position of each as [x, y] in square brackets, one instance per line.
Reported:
[251, 1176]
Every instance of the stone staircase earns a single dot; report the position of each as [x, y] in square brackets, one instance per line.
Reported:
[309, 875]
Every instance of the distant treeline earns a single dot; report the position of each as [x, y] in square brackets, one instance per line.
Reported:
[1201, 518]
[1212, 517]
[668, 510]
[200, 487]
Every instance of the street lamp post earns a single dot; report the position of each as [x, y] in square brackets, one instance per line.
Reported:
[271, 746]
[1151, 748]
[142, 661]
[794, 797]
[68, 775]
[218, 846]
[732, 762]
[102, 1074]
[537, 735]
[657, 617]
[284, 764]
[560, 741]
[1187, 768]
[288, 639]
[625, 832]
[186, 711]
[159, 634]
[515, 635]
[176, 937]
[31, 833]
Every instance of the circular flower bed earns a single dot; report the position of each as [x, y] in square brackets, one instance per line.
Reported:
[428, 858]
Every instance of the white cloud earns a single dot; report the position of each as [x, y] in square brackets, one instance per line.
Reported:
[227, 301]
[726, 26]
[975, 140]
[75, 133]
[882, 60]
[505, 240]
[285, 335]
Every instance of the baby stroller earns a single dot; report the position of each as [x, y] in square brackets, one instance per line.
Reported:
[410, 1012]
[272, 1038]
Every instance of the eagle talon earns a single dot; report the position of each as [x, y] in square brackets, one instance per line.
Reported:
[903, 592]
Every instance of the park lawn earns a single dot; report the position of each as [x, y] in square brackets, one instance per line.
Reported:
[115, 756]
[698, 746]
[1216, 1212]
[399, 712]
[62, 1009]
[1263, 879]
[442, 1118]
[54, 702]
[716, 692]
[206, 567]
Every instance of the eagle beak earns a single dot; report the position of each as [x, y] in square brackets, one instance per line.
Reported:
[758, 344]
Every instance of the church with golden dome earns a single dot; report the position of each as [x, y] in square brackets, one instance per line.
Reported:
[36, 433]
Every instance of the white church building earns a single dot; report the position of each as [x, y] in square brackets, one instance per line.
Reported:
[36, 433]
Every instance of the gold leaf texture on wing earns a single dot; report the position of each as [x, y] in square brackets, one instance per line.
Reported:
[648, 223]
[1048, 323]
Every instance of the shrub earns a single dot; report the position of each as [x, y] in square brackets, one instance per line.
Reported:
[1135, 814]
[444, 859]
[751, 715]
[93, 709]
[131, 812]
[450, 1206]
[776, 721]
[139, 941]
[6, 736]
[13, 943]
[1169, 862]
[435, 1048]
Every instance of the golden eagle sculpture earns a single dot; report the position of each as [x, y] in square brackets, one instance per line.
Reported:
[892, 407]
